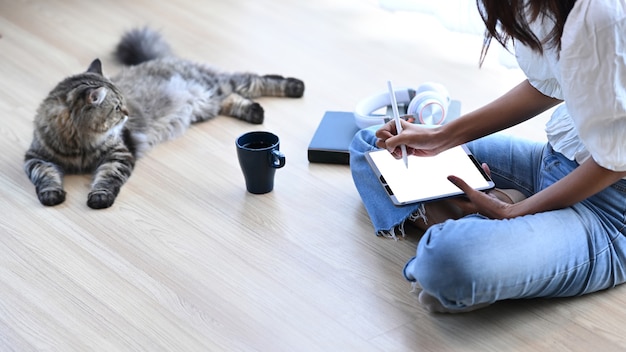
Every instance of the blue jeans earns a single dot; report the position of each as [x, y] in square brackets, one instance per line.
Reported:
[476, 260]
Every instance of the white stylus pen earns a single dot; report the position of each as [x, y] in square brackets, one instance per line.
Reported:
[396, 117]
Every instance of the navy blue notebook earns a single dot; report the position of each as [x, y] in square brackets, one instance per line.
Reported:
[332, 138]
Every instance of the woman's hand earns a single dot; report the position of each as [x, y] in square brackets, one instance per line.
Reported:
[484, 203]
[480, 202]
[418, 139]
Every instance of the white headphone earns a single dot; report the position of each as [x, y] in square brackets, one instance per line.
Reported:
[428, 104]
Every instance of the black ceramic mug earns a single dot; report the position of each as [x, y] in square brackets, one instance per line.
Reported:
[259, 157]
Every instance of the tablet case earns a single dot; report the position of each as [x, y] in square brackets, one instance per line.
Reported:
[333, 136]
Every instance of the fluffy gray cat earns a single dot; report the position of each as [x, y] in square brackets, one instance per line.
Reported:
[93, 124]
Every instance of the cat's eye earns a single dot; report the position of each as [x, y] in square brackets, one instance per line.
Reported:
[118, 108]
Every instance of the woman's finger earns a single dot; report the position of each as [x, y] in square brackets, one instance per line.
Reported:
[486, 169]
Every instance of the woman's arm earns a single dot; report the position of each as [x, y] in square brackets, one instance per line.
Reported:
[521, 103]
[585, 181]
[518, 105]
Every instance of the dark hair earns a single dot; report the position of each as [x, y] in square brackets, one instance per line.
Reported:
[510, 19]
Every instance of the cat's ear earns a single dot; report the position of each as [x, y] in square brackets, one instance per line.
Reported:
[96, 96]
[95, 67]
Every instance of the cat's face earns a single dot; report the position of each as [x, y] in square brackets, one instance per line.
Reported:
[96, 105]
[85, 108]
[98, 110]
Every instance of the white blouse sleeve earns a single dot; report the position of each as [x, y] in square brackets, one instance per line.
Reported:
[593, 78]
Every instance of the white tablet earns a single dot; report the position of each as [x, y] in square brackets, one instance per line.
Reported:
[426, 178]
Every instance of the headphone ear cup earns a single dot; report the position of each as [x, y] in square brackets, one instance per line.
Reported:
[428, 108]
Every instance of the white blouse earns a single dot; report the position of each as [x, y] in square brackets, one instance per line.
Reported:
[590, 76]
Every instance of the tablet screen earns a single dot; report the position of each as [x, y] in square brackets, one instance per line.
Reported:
[426, 178]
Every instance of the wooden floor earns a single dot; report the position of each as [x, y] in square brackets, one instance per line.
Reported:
[186, 260]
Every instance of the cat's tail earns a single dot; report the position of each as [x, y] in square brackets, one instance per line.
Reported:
[141, 44]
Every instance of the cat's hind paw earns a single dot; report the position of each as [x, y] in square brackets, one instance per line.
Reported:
[100, 199]
[294, 88]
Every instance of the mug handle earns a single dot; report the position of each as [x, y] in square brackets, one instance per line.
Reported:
[277, 159]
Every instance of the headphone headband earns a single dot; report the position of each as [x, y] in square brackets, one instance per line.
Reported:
[364, 109]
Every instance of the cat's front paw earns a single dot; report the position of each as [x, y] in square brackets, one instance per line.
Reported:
[51, 197]
[100, 199]
[294, 88]
[255, 114]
